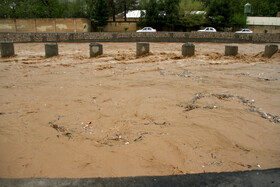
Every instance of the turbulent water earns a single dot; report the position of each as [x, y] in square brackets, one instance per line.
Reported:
[118, 115]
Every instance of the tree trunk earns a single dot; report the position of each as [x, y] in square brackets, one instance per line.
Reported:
[113, 10]
[124, 10]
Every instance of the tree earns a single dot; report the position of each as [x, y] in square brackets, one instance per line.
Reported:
[48, 9]
[76, 9]
[190, 5]
[5, 9]
[220, 13]
[228, 13]
[188, 18]
[171, 9]
[126, 5]
[152, 14]
[112, 9]
[193, 21]
[239, 20]
[90, 8]
[101, 13]
[265, 8]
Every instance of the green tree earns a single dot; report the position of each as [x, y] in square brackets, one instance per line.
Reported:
[220, 13]
[90, 8]
[171, 10]
[76, 9]
[190, 5]
[112, 9]
[17, 9]
[265, 8]
[193, 21]
[101, 14]
[152, 17]
[189, 20]
[48, 9]
[125, 5]
[5, 9]
[239, 20]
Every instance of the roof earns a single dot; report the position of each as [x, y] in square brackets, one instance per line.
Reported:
[131, 14]
[263, 21]
[134, 13]
[195, 12]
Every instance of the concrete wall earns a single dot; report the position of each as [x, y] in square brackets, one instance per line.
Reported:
[45, 25]
[65, 25]
[119, 27]
[25, 25]
[82, 25]
[7, 25]
[262, 28]
[182, 37]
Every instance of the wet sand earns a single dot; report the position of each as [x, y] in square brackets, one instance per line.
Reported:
[118, 115]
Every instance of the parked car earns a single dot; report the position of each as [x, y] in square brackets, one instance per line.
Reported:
[147, 29]
[244, 31]
[208, 29]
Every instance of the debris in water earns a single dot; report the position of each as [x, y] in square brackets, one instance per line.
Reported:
[61, 129]
[188, 106]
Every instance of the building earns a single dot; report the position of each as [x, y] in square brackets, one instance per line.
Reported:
[264, 24]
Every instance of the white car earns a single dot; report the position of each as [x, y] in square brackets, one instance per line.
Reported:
[208, 29]
[147, 29]
[244, 31]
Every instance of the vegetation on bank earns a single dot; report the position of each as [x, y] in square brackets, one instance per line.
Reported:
[160, 14]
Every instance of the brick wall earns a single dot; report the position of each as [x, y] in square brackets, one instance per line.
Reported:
[182, 37]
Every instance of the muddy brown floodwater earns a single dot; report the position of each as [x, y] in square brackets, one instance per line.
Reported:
[118, 115]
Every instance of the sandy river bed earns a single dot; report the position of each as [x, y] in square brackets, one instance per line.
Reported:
[118, 115]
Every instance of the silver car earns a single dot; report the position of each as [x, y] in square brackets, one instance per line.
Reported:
[147, 29]
[208, 29]
[248, 31]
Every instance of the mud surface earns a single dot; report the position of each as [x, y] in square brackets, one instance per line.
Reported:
[270, 177]
[117, 115]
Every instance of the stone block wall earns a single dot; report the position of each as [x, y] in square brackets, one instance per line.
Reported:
[182, 37]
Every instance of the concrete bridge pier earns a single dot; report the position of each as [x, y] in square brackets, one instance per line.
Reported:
[142, 48]
[95, 49]
[7, 49]
[270, 50]
[188, 49]
[231, 50]
[51, 50]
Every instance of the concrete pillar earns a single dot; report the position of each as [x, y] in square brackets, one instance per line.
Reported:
[51, 50]
[142, 48]
[188, 49]
[270, 50]
[95, 49]
[231, 50]
[7, 49]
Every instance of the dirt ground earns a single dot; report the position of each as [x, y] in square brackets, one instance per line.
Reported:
[117, 115]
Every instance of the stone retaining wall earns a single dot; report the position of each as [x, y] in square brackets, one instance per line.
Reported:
[183, 37]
